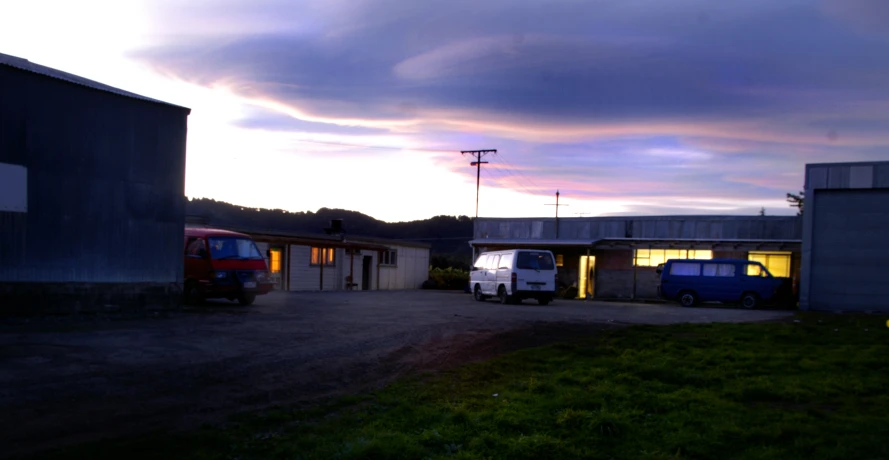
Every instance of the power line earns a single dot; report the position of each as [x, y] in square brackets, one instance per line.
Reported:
[477, 154]
[518, 172]
[517, 183]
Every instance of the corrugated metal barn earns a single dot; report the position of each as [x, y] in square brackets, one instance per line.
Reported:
[846, 225]
[91, 193]
[616, 257]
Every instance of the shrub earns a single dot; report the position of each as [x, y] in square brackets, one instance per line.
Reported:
[447, 278]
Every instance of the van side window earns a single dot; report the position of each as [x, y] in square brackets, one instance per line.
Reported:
[754, 270]
[480, 263]
[726, 270]
[492, 262]
[686, 269]
[506, 261]
[194, 247]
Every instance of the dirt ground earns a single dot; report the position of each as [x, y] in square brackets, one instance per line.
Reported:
[70, 380]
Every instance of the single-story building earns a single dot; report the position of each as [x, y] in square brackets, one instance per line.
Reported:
[338, 262]
[845, 229]
[616, 257]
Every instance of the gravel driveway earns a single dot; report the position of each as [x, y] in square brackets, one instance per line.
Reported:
[72, 380]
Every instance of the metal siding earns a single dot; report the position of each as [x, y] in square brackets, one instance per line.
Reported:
[838, 177]
[106, 179]
[881, 176]
[849, 250]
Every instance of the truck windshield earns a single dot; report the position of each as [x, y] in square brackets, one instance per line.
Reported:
[233, 248]
[535, 261]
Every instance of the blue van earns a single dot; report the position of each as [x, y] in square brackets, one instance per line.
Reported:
[691, 281]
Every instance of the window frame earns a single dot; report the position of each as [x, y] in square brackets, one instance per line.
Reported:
[389, 258]
[683, 254]
[316, 253]
[280, 253]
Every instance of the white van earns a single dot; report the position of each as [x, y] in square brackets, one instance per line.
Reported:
[513, 275]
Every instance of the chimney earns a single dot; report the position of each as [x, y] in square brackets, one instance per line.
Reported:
[336, 227]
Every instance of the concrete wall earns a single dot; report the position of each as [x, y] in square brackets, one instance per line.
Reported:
[104, 190]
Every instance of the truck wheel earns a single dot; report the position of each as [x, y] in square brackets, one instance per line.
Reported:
[477, 294]
[749, 300]
[192, 294]
[688, 299]
[543, 301]
[246, 299]
[504, 298]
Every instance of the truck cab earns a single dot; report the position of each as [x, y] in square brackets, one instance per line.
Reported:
[223, 264]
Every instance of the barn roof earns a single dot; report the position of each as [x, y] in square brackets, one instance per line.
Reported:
[28, 66]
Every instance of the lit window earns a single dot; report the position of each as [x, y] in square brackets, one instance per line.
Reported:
[389, 257]
[275, 261]
[777, 263]
[325, 254]
[560, 260]
[655, 257]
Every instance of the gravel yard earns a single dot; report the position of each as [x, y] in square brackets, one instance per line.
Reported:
[72, 380]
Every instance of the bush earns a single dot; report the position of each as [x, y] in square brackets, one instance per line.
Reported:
[447, 278]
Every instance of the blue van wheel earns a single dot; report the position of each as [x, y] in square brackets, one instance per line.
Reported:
[688, 299]
[749, 300]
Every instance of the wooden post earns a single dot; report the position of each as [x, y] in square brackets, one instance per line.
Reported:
[321, 267]
[351, 267]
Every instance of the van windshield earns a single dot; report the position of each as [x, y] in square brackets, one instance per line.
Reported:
[530, 260]
[231, 248]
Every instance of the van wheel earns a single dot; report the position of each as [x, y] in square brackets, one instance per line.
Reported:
[246, 299]
[543, 301]
[477, 294]
[688, 299]
[504, 298]
[749, 300]
[192, 294]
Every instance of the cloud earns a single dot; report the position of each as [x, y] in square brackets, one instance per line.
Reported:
[600, 99]
[275, 121]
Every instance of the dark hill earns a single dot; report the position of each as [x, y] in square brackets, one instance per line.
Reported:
[448, 235]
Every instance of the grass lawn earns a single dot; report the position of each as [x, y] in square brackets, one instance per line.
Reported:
[814, 389]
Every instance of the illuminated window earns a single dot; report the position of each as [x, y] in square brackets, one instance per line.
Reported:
[560, 260]
[655, 257]
[389, 257]
[275, 261]
[777, 263]
[325, 254]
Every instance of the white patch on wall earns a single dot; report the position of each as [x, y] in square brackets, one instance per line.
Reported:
[13, 188]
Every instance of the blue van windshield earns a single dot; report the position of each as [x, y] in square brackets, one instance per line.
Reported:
[531, 260]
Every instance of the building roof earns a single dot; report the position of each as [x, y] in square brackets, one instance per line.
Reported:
[629, 242]
[28, 66]
[389, 241]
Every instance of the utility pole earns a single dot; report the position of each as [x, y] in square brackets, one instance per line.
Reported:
[557, 212]
[477, 154]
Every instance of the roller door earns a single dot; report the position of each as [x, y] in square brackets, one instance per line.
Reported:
[850, 250]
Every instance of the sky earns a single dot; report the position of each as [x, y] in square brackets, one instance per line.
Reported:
[640, 107]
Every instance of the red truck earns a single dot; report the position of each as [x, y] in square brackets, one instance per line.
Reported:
[223, 264]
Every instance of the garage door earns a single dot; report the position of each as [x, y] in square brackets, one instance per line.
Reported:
[850, 250]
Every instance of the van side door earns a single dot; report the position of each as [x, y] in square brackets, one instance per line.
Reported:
[491, 274]
[197, 258]
[756, 278]
[504, 271]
